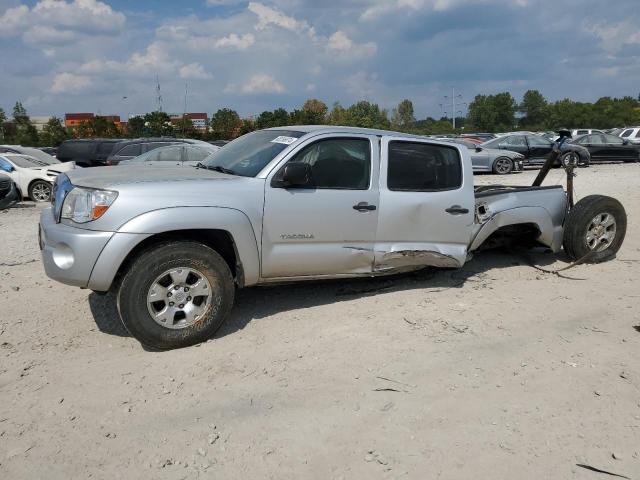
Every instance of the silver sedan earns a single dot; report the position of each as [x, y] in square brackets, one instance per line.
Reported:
[492, 160]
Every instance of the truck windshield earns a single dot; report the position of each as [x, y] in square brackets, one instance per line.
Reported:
[249, 154]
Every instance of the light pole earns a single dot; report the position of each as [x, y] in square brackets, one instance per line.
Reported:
[454, 97]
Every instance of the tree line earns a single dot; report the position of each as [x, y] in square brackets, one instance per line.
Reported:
[486, 113]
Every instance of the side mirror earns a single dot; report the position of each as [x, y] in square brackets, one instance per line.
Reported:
[295, 174]
[478, 149]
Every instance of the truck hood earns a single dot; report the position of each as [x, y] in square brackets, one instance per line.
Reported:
[111, 177]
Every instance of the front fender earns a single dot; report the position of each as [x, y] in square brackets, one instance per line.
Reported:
[171, 219]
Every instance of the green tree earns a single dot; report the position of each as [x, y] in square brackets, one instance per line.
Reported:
[403, 117]
[368, 115]
[157, 124]
[491, 113]
[225, 124]
[534, 110]
[25, 133]
[313, 112]
[135, 127]
[339, 115]
[53, 133]
[278, 118]
[98, 126]
[184, 127]
[3, 120]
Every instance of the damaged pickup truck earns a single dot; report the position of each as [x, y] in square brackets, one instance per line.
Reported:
[293, 203]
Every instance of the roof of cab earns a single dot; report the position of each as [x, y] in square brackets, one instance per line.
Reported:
[338, 129]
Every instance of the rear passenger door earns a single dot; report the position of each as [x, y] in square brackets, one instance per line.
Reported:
[427, 205]
[539, 148]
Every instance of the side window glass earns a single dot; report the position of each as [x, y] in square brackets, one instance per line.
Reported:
[626, 133]
[420, 167]
[338, 163]
[596, 140]
[130, 151]
[516, 140]
[168, 154]
[196, 154]
[5, 166]
[611, 139]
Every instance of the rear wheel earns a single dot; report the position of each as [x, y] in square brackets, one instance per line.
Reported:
[40, 191]
[596, 225]
[502, 166]
[176, 295]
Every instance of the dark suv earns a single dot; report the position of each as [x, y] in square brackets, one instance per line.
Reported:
[87, 152]
[127, 149]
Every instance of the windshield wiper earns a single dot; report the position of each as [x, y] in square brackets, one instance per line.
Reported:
[216, 168]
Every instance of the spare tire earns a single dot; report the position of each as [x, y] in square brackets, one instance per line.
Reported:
[596, 225]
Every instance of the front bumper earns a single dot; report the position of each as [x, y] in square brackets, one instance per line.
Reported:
[69, 253]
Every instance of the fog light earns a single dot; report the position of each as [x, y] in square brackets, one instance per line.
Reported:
[63, 256]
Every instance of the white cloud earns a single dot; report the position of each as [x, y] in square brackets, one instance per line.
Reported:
[194, 71]
[241, 42]
[613, 36]
[270, 16]
[51, 20]
[66, 82]
[260, 83]
[339, 43]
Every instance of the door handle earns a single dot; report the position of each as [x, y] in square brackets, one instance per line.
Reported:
[457, 210]
[364, 207]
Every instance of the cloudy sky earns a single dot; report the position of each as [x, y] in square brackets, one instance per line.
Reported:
[86, 55]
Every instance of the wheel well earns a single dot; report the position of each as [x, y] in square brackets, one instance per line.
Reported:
[521, 234]
[34, 181]
[219, 240]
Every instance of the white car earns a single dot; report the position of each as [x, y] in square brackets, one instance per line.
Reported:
[33, 178]
[631, 134]
[32, 152]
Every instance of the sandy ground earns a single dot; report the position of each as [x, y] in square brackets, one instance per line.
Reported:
[493, 371]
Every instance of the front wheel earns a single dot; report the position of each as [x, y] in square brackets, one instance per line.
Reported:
[176, 295]
[502, 166]
[40, 191]
[595, 229]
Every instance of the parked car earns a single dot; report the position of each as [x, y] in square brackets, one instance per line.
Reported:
[86, 152]
[603, 146]
[174, 155]
[534, 148]
[631, 134]
[50, 150]
[219, 143]
[33, 152]
[485, 137]
[293, 203]
[128, 149]
[8, 192]
[33, 178]
[492, 160]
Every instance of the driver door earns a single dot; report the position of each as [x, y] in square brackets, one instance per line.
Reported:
[328, 227]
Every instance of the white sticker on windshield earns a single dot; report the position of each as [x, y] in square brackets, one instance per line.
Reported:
[284, 140]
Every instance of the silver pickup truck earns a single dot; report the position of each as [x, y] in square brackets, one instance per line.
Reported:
[292, 203]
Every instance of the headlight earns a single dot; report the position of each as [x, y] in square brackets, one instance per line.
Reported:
[85, 204]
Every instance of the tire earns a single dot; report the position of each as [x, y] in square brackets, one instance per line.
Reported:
[588, 227]
[134, 297]
[502, 166]
[40, 191]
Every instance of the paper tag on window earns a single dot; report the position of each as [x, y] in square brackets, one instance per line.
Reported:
[284, 140]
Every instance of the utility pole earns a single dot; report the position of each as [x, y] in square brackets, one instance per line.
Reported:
[453, 105]
[158, 94]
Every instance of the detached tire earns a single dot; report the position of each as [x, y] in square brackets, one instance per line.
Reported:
[595, 224]
[502, 166]
[176, 295]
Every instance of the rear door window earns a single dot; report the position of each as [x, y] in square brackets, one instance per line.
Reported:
[421, 167]
[153, 145]
[196, 154]
[627, 133]
[132, 150]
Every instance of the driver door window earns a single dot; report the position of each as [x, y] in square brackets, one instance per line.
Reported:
[338, 163]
